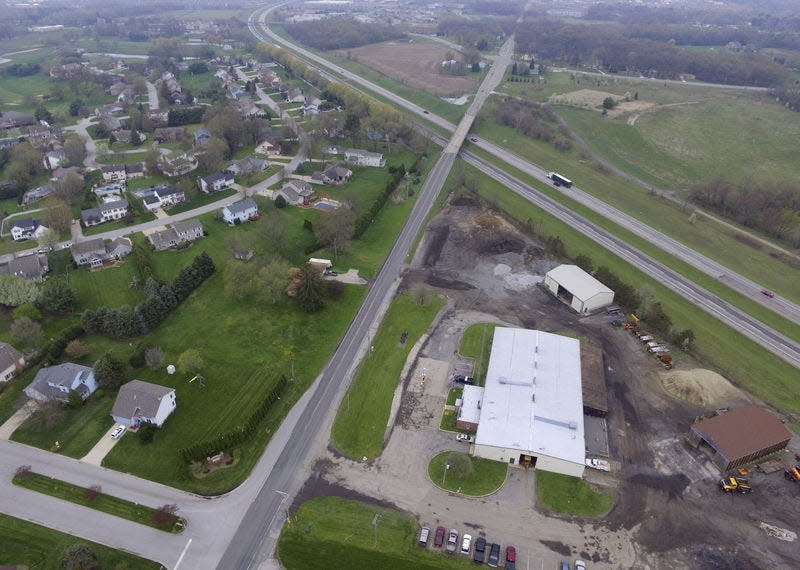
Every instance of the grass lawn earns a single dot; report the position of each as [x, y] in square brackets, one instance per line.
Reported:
[571, 495]
[131, 158]
[361, 421]
[485, 478]
[105, 503]
[201, 199]
[28, 545]
[448, 422]
[453, 395]
[333, 529]
[717, 346]
[476, 343]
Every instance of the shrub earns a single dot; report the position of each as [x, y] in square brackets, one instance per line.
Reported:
[147, 432]
[27, 310]
[93, 492]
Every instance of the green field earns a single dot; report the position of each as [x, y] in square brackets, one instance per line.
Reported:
[330, 530]
[486, 477]
[28, 545]
[716, 346]
[102, 502]
[476, 343]
[361, 421]
[571, 495]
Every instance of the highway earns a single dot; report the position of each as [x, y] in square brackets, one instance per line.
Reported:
[779, 344]
[255, 538]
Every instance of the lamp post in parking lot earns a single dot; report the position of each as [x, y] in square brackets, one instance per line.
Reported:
[444, 474]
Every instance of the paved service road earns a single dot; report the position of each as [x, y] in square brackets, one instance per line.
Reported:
[152, 96]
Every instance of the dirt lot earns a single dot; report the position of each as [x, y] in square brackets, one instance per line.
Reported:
[592, 99]
[668, 514]
[415, 65]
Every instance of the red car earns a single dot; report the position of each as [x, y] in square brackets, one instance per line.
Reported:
[511, 558]
[438, 541]
[769, 294]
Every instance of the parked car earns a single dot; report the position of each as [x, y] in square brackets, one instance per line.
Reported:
[424, 533]
[465, 437]
[118, 431]
[466, 544]
[480, 550]
[438, 540]
[452, 541]
[511, 558]
[462, 379]
[473, 139]
[494, 555]
[580, 565]
[767, 293]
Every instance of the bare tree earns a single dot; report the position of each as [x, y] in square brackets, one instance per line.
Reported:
[93, 492]
[26, 331]
[165, 515]
[335, 230]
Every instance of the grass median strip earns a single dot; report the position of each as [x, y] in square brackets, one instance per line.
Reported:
[162, 518]
[571, 495]
[361, 421]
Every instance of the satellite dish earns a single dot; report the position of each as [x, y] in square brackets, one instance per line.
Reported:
[171, 369]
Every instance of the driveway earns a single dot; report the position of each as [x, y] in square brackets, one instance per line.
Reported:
[102, 447]
[12, 423]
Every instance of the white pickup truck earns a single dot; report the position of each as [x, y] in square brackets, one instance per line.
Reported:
[600, 464]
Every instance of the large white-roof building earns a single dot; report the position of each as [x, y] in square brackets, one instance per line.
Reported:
[532, 407]
[578, 289]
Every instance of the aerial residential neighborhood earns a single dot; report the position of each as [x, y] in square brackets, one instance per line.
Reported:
[399, 284]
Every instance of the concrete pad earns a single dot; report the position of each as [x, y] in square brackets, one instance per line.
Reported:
[161, 214]
[351, 277]
[12, 423]
[102, 447]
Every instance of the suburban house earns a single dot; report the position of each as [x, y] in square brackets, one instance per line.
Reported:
[179, 165]
[215, 182]
[94, 252]
[249, 109]
[142, 402]
[268, 147]
[163, 196]
[242, 211]
[169, 134]
[53, 159]
[201, 137]
[247, 166]
[31, 267]
[113, 172]
[311, 105]
[111, 192]
[15, 119]
[56, 382]
[134, 170]
[26, 229]
[295, 192]
[38, 193]
[336, 175]
[11, 360]
[361, 157]
[179, 232]
[295, 95]
[107, 212]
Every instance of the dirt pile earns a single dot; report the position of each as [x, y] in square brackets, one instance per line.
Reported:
[703, 388]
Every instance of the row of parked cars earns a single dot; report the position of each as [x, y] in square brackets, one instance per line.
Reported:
[482, 552]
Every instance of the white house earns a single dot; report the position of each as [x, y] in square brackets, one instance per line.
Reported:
[107, 212]
[142, 402]
[26, 229]
[113, 172]
[11, 360]
[268, 147]
[163, 196]
[56, 382]
[242, 211]
[216, 182]
[361, 157]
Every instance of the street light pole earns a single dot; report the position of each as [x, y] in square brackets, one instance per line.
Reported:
[444, 474]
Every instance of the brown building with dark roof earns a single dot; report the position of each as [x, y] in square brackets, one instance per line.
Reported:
[593, 381]
[740, 436]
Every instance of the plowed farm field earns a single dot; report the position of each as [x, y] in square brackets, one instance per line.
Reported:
[416, 65]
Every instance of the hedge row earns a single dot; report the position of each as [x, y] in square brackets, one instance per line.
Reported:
[364, 221]
[200, 451]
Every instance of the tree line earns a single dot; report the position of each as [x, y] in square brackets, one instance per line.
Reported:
[341, 33]
[771, 208]
[610, 49]
[479, 33]
[533, 120]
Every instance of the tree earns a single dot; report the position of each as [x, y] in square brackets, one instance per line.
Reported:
[272, 280]
[27, 310]
[74, 400]
[460, 463]
[136, 138]
[57, 296]
[57, 215]
[165, 515]
[151, 159]
[239, 279]
[75, 107]
[110, 371]
[154, 357]
[93, 493]
[335, 230]
[70, 186]
[280, 202]
[585, 263]
[48, 414]
[75, 150]
[273, 229]
[684, 338]
[310, 290]
[147, 432]
[26, 331]
[609, 103]
[190, 361]
[76, 349]
[47, 240]
[16, 291]
[79, 557]
[421, 295]
[214, 153]
[42, 114]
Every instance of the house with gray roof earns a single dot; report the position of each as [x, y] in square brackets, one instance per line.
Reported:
[242, 211]
[180, 232]
[216, 182]
[295, 192]
[106, 212]
[361, 157]
[94, 252]
[247, 166]
[31, 267]
[38, 193]
[54, 383]
[26, 229]
[336, 174]
[141, 402]
[11, 360]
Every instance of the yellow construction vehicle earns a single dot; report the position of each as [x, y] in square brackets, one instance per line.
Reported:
[735, 485]
[792, 474]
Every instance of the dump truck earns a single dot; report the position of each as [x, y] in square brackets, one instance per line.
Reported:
[735, 485]
[792, 474]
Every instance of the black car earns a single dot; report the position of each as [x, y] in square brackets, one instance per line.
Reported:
[480, 550]
[494, 555]
[461, 379]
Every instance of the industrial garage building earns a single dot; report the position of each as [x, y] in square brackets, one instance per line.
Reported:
[532, 408]
[740, 436]
[578, 289]
[469, 408]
